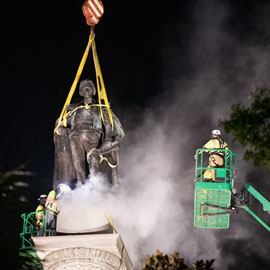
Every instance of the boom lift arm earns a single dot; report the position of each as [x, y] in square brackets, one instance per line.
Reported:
[241, 200]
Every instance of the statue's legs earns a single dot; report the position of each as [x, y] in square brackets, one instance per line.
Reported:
[81, 142]
[115, 177]
[90, 140]
[94, 165]
[78, 155]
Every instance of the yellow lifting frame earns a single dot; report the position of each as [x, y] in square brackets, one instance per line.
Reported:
[101, 91]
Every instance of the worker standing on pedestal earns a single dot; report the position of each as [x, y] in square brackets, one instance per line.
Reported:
[51, 213]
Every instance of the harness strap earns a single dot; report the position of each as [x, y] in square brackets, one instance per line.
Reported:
[221, 146]
[221, 142]
[87, 107]
[214, 160]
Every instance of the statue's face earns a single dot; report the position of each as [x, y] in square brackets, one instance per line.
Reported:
[87, 89]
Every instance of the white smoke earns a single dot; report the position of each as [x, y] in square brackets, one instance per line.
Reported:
[223, 71]
[160, 188]
[153, 207]
[158, 154]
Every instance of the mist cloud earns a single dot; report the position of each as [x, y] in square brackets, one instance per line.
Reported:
[224, 64]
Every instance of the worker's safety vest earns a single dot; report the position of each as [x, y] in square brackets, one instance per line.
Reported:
[216, 143]
[39, 215]
[51, 202]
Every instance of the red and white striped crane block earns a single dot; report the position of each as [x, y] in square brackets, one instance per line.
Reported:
[92, 10]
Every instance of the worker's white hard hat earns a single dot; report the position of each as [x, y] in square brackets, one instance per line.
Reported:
[216, 132]
[43, 196]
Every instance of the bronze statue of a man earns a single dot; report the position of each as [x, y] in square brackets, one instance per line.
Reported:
[89, 137]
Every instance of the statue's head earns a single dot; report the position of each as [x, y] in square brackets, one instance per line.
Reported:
[87, 89]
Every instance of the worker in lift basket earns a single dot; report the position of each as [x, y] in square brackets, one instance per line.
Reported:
[40, 212]
[216, 158]
[51, 211]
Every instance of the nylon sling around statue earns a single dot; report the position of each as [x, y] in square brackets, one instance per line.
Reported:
[102, 95]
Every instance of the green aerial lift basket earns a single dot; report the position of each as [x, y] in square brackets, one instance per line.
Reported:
[212, 200]
[30, 229]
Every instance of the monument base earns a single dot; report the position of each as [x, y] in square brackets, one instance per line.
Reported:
[83, 252]
[74, 219]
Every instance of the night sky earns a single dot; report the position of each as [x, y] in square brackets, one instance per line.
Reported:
[43, 47]
[151, 55]
[44, 43]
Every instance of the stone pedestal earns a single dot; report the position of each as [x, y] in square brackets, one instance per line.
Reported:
[83, 252]
[77, 217]
[86, 219]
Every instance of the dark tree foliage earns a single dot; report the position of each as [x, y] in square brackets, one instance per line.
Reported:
[14, 199]
[29, 261]
[11, 203]
[251, 127]
[173, 262]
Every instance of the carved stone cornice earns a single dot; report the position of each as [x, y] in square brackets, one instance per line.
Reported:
[80, 258]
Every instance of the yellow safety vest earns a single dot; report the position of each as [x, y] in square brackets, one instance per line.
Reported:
[207, 174]
[216, 144]
[51, 202]
[39, 215]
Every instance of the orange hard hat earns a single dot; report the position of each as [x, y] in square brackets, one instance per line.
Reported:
[92, 10]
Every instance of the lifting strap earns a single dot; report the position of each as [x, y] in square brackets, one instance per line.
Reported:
[110, 164]
[123, 253]
[104, 158]
[101, 91]
[110, 221]
[102, 95]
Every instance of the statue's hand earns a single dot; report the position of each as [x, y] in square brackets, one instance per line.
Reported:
[63, 131]
[92, 153]
[95, 153]
[106, 145]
